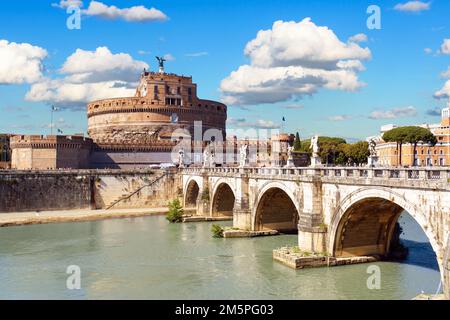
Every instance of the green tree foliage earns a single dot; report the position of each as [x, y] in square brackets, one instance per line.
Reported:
[336, 151]
[409, 134]
[356, 153]
[297, 142]
[175, 213]
[330, 147]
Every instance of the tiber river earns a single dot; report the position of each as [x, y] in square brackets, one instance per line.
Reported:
[148, 258]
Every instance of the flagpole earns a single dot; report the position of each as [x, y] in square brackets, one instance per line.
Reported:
[51, 121]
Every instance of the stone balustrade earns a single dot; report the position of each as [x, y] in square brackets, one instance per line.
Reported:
[433, 174]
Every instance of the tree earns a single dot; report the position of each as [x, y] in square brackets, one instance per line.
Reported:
[330, 148]
[297, 142]
[419, 134]
[355, 153]
[175, 213]
[409, 134]
[358, 152]
[397, 135]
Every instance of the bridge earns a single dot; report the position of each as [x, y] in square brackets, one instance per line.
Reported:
[344, 211]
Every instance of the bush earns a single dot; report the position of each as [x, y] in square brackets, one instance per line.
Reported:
[217, 231]
[175, 211]
[205, 195]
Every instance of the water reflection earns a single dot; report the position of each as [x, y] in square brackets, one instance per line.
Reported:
[148, 258]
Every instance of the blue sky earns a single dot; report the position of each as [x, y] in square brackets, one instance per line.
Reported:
[207, 40]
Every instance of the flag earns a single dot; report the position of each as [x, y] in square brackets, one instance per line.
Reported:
[284, 119]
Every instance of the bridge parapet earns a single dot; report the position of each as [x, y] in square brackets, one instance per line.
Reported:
[412, 177]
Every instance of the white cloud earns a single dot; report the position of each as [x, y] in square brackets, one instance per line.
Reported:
[135, 14]
[446, 74]
[445, 47]
[291, 60]
[143, 52]
[89, 75]
[294, 106]
[168, 57]
[258, 124]
[63, 4]
[60, 123]
[413, 6]
[341, 117]
[403, 112]
[101, 65]
[360, 37]
[428, 50]
[20, 62]
[444, 92]
[197, 54]
[435, 112]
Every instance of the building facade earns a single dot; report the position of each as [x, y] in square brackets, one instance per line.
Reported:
[425, 154]
[50, 152]
[130, 132]
[142, 130]
[5, 151]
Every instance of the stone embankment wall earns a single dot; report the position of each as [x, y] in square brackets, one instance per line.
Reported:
[22, 191]
[136, 190]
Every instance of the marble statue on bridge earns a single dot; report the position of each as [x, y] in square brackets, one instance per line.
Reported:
[243, 156]
[315, 159]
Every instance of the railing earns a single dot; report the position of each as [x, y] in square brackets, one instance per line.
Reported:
[434, 174]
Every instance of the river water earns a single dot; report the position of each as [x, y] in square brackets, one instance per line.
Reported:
[148, 258]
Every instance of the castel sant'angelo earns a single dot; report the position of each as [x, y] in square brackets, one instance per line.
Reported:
[129, 131]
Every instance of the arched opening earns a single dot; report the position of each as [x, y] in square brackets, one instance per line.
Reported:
[276, 211]
[192, 192]
[377, 227]
[223, 201]
[366, 228]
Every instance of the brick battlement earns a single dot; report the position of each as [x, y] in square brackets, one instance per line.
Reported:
[50, 141]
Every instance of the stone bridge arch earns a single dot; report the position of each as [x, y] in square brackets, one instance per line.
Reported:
[364, 222]
[275, 208]
[192, 190]
[223, 198]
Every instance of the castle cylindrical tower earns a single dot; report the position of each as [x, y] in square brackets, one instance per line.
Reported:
[162, 103]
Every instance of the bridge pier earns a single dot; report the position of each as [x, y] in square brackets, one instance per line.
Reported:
[242, 215]
[312, 232]
[204, 198]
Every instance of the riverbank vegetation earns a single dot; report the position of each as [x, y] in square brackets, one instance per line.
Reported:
[217, 231]
[175, 213]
